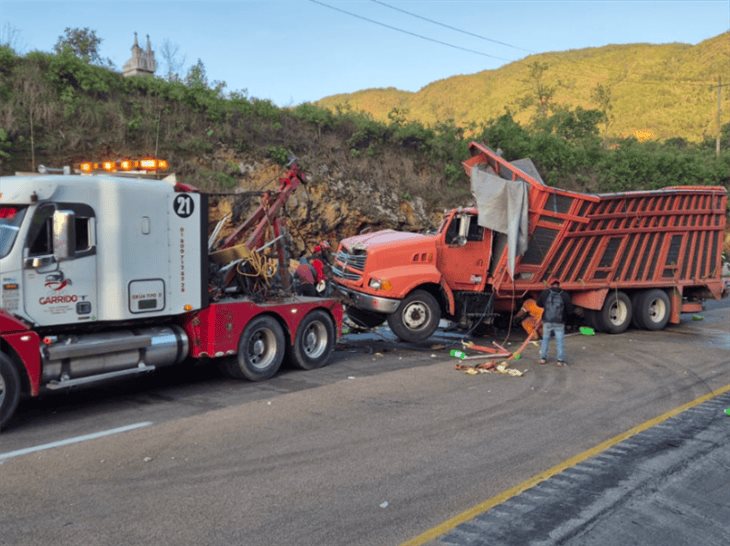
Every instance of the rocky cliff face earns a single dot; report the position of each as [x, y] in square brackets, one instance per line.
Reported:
[331, 206]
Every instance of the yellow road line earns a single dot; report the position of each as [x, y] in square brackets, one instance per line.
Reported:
[490, 503]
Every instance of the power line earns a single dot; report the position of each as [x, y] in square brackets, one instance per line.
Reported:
[450, 27]
[422, 37]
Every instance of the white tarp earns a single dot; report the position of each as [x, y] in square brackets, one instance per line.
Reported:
[503, 207]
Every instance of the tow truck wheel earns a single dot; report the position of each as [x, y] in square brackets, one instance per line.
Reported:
[9, 389]
[615, 316]
[652, 309]
[314, 341]
[416, 318]
[260, 351]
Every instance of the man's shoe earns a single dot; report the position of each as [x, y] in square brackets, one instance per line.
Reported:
[561, 363]
[543, 361]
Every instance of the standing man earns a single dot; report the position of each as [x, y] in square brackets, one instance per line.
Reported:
[557, 307]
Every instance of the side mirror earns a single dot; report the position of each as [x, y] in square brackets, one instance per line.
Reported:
[64, 234]
[463, 229]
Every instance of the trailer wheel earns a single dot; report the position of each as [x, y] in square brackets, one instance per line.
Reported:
[314, 341]
[260, 351]
[615, 316]
[653, 309]
[416, 318]
[9, 390]
[365, 319]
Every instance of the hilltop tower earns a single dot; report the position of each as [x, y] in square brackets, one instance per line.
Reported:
[142, 62]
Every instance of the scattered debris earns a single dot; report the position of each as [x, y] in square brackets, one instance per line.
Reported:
[727, 411]
[491, 367]
[587, 331]
[384, 504]
[147, 459]
[698, 317]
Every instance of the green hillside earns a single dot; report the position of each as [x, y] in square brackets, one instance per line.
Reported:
[657, 91]
[59, 109]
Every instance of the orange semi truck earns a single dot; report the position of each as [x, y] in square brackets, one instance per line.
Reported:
[640, 257]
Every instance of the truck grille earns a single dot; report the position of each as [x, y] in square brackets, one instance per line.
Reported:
[346, 262]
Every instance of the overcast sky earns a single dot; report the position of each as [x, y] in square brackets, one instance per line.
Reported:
[291, 51]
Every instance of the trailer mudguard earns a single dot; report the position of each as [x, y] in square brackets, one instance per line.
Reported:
[26, 345]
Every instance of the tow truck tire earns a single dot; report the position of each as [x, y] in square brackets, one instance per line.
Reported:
[416, 318]
[9, 390]
[615, 316]
[365, 319]
[260, 351]
[652, 309]
[314, 341]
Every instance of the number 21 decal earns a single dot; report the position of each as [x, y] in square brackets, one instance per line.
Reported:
[183, 205]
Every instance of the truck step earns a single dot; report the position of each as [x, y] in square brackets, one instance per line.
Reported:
[66, 383]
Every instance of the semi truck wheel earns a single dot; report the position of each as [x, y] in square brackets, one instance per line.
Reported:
[9, 389]
[314, 341]
[615, 316]
[260, 351]
[652, 309]
[416, 318]
[365, 319]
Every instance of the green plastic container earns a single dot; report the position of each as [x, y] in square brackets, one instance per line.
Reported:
[587, 331]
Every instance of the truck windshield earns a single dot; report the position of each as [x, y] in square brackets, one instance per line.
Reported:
[10, 219]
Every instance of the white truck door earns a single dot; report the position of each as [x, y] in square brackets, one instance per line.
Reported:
[60, 291]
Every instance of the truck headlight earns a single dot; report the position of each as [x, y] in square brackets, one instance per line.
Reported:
[380, 284]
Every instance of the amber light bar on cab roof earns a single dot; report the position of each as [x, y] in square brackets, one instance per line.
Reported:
[124, 165]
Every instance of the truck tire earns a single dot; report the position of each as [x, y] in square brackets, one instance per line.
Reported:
[416, 318]
[615, 316]
[365, 319]
[260, 351]
[590, 318]
[636, 319]
[9, 389]
[652, 309]
[314, 341]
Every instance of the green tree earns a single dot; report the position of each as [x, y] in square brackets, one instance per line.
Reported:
[575, 124]
[82, 42]
[540, 93]
[197, 76]
[601, 97]
[398, 116]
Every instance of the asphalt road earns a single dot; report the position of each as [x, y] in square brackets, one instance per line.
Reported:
[383, 444]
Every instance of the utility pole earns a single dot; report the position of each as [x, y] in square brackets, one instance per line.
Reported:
[719, 124]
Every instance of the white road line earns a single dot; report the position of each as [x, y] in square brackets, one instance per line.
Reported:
[74, 440]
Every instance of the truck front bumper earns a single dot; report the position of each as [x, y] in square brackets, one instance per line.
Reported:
[368, 302]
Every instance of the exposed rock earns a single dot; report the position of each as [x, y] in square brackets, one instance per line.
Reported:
[329, 207]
